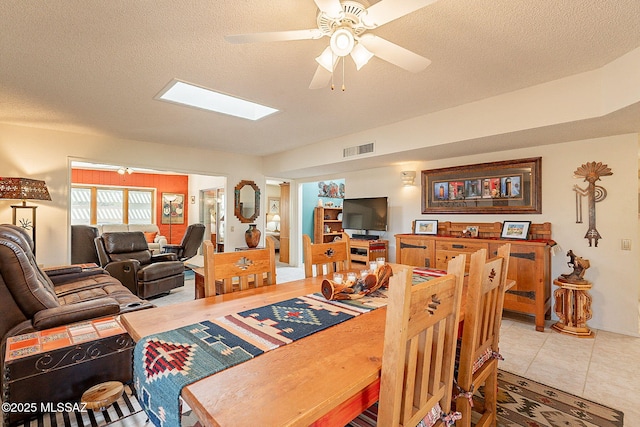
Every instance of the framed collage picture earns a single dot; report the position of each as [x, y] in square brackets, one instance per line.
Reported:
[500, 187]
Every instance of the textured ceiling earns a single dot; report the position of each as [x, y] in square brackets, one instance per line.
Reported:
[95, 66]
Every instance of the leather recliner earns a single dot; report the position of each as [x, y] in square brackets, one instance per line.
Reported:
[83, 247]
[126, 256]
[33, 299]
[191, 242]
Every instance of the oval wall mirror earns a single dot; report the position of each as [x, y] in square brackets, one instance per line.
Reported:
[247, 201]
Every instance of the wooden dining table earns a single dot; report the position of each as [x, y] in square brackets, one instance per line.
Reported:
[325, 379]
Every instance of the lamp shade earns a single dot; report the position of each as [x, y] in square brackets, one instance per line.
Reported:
[327, 59]
[23, 189]
[360, 56]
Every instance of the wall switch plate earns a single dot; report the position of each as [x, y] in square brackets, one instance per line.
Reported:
[626, 244]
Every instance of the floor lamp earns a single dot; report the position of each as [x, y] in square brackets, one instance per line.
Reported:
[24, 189]
[170, 198]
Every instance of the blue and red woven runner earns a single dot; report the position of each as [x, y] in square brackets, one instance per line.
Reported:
[166, 362]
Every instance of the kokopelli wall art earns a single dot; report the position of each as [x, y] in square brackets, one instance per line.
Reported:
[591, 172]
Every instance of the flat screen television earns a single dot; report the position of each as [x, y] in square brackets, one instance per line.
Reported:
[366, 214]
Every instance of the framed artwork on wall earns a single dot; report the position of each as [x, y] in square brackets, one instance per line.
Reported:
[172, 208]
[274, 205]
[511, 186]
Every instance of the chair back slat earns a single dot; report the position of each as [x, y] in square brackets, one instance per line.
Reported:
[326, 258]
[419, 345]
[230, 271]
[481, 333]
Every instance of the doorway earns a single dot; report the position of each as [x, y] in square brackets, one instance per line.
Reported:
[212, 208]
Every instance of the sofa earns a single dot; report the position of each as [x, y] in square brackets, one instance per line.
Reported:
[35, 299]
[156, 242]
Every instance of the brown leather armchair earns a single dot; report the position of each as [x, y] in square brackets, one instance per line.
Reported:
[33, 299]
[126, 256]
[191, 242]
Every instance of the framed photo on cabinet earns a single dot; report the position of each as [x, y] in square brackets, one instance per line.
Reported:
[425, 226]
[515, 230]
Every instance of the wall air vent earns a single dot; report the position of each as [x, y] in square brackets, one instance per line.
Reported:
[358, 150]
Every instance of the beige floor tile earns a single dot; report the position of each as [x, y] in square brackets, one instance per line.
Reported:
[631, 417]
[561, 377]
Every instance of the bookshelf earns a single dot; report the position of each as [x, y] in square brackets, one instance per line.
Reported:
[327, 224]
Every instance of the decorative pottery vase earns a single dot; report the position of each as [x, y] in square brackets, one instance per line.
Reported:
[252, 236]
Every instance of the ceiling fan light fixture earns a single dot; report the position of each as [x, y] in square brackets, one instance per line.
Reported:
[327, 59]
[342, 41]
[360, 56]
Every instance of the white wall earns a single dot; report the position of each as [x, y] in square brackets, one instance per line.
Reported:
[45, 154]
[615, 273]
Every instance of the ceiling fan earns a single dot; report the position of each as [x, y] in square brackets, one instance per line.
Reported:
[346, 23]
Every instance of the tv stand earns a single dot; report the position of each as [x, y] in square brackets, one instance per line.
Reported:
[363, 251]
[365, 237]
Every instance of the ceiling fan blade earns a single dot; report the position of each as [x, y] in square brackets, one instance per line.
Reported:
[387, 10]
[276, 36]
[394, 54]
[331, 8]
[321, 78]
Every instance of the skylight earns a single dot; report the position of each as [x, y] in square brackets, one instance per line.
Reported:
[199, 97]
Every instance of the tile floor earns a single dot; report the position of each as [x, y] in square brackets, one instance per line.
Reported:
[605, 369]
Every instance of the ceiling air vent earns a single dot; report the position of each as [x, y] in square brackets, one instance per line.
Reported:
[357, 150]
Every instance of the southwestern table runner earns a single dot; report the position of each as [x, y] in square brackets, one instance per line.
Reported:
[166, 362]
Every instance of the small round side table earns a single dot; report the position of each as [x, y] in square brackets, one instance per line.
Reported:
[101, 396]
[573, 308]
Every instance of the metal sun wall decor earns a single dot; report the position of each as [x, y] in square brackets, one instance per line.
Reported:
[591, 172]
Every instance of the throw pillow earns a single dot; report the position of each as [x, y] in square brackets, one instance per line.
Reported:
[150, 236]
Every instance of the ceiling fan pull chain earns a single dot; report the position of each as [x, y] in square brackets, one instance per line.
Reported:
[332, 85]
[343, 74]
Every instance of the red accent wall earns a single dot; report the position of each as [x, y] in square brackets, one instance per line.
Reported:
[161, 182]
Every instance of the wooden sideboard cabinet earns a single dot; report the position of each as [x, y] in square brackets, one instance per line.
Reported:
[529, 264]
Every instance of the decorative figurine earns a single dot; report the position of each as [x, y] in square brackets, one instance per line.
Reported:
[572, 299]
[579, 265]
[595, 193]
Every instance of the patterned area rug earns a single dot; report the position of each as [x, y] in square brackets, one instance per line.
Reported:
[522, 403]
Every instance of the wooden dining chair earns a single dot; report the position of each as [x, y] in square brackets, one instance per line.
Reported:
[226, 272]
[479, 351]
[418, 359]
[326, 258]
